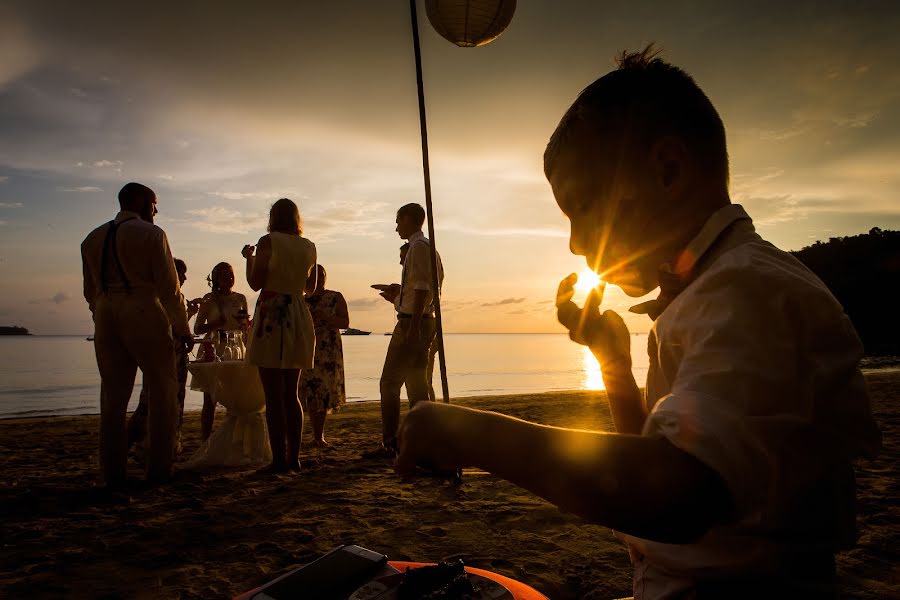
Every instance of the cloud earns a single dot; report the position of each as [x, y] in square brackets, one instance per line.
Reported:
[57, 298]
[364, 303]
[84, 188]
[166, 177]
[3, 178]
[10, 205]
[504, 302]
[220, 219]
[3, 223]
[108, 163]
[509, 231]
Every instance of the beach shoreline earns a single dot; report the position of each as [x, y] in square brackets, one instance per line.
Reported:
[220, 532]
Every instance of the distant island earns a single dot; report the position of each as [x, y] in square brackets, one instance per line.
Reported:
[351, 331]
[13, 331]
[863, 273]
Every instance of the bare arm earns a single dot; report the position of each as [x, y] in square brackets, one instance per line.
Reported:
[610, 343]
[90, 288]
[168, 290]
[311, 281]
[203, 325]
[258, 266]
[643, 486]
[342, 315]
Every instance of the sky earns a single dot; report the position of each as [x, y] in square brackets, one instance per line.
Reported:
[224, 107]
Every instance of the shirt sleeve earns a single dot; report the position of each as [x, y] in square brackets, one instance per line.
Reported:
[165, 277]
[418, 267]
[769, 395]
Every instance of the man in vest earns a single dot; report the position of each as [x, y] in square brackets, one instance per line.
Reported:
[131, 287]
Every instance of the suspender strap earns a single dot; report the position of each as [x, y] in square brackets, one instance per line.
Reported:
[109, 244]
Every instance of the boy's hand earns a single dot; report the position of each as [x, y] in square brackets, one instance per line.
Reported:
[426, 438]
[605, 334]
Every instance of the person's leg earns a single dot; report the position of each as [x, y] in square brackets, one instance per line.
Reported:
[147, 334]
[318, 424]
[181, 371]
[293, 416]
[137, 424]
[207, 416]
[117, 371]
[417, 364]
[393, 376]
[271, 383]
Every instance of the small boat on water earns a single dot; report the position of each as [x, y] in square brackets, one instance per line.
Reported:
[90, 338]
[351, 331]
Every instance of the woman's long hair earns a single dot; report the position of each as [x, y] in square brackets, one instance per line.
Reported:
[284, 217]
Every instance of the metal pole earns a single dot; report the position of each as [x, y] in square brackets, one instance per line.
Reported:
[439, 329]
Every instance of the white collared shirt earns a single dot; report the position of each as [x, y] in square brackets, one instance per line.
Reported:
[417, 275]
[144, 252]
[754, 371]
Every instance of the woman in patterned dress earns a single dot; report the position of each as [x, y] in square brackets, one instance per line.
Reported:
[282, 340]
[322, 387]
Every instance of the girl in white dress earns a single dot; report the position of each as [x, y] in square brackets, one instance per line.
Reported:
[220, 310]
[282, 338]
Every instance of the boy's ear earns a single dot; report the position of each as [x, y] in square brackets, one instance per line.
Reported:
[671, 163]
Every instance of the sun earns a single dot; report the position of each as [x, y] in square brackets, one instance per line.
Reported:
[587, 280]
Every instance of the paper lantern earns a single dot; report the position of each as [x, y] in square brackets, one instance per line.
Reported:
[470, 23]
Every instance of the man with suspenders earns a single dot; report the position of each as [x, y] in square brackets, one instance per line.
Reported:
[131, 287]
[408, 353]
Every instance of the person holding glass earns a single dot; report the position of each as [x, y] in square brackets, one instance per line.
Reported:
[221, 311]
[282, 340]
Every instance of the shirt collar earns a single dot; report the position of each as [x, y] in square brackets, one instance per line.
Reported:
[416, 237]
[717, 223]
[126, 214]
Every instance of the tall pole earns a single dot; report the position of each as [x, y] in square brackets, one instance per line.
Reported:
[439, 329]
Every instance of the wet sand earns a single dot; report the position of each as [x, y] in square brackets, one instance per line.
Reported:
[218, 533]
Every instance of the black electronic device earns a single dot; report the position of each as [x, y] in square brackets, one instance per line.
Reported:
[334, 576]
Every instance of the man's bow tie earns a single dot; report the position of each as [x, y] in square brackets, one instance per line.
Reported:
[670, 285]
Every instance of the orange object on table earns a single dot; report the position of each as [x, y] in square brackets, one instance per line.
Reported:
[519, 590]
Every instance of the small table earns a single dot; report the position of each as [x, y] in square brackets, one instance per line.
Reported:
[243, 438]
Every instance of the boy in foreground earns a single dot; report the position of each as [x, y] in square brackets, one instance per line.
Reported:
[731, 477]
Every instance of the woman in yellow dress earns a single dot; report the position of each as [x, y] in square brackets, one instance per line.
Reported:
[282, 338]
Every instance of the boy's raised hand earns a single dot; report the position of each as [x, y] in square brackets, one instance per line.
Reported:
[605, 334]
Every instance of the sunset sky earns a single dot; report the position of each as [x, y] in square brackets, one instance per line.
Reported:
[223, 107]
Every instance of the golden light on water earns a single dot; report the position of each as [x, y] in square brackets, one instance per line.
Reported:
[593, 380]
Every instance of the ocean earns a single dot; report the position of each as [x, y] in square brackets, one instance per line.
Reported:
[57, 375]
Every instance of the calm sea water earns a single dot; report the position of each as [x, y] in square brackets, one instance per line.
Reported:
[57, 375]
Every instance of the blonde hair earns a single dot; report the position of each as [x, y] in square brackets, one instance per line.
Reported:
[284, 217]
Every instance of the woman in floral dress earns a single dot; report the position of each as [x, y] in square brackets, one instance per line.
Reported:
[322, 387]
[282, 341]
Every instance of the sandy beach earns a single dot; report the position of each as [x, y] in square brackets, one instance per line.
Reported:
[218, 533]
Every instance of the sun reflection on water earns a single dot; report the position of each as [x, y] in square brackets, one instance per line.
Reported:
[593, 380]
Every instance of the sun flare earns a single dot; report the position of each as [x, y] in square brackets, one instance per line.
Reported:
[587, 280]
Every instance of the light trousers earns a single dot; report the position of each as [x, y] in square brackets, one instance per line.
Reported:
[405, 363]
[131, 331]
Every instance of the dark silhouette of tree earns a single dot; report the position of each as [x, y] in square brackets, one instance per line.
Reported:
[863, 272]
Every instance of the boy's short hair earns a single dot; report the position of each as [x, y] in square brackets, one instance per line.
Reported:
[180, 266]
[413, 211]
[629, 108]
[133, 194]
